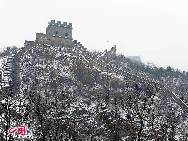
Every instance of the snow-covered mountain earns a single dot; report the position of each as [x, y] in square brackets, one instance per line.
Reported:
[65, 92]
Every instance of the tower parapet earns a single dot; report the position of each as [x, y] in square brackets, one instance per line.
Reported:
[58, 29]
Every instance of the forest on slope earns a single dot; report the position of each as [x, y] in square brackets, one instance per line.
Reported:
[63, 96]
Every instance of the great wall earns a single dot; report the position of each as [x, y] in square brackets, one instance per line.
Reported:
[58, 34]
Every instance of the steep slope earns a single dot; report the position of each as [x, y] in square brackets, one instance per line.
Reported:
[91, 99]
[62, 91]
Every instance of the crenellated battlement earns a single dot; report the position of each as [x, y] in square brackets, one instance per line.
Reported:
[59, 24]
[58, 29]
[57, 33]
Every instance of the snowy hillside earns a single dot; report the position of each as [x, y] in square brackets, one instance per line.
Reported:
[74, 97]
[64, 92]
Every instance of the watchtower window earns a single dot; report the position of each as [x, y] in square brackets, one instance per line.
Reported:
[66, 34]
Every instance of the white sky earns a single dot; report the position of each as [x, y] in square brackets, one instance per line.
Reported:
[155, 30]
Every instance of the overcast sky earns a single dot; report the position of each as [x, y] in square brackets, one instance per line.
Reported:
[155, 30]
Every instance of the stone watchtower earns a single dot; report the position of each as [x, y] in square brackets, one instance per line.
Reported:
[58, 29]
